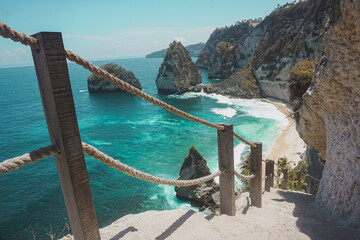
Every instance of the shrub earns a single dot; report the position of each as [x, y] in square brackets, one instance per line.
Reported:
[292, 174]
[299, 81]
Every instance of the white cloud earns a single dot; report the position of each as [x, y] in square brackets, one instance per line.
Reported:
[140, 33]
[19, 50]
[180, 39]
[17, 55]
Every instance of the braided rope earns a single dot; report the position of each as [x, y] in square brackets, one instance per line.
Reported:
[122, 167]
[8, 32]
[36, 155]
[244, 140]
[244, 177]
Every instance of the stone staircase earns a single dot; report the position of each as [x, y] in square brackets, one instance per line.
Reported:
[284, 215]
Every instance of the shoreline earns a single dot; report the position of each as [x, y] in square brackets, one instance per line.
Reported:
[288, 143]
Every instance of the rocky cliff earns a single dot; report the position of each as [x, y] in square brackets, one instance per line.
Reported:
[290, 34]
[97, 84]
[330, 113]
[193, 49]
[177, 73]
[194, 166]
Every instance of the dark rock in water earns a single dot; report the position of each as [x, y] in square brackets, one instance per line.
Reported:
[97, 84]
[194, 166]
[177, 73]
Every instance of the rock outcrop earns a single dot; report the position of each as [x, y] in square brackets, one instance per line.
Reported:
[194, 166]
[193, 49]
[98, 85]
[177, 73]
[330, 113]
[241, 84]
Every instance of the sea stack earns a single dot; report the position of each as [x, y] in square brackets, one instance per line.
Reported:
[98, 85]
[178, 72]
[194, 166]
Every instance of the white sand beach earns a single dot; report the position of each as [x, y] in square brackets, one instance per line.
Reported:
[288, 144]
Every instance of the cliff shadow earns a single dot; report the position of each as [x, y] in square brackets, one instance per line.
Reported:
[313, 221]
[123, 233]
[180, 221]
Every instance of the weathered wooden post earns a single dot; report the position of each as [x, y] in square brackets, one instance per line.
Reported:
[226, 160]
[272, 164]
[299, 180]
[285, 179]
[308, 184]
[267, 176]
[55, 89]
[256, 182]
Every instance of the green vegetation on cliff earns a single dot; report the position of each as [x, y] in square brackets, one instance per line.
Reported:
[299, 81]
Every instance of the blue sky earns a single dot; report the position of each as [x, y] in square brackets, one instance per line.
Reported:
[122, 28]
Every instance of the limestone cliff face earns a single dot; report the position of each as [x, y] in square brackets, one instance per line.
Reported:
[290, 34]
[330, 113]
[177, 73]
[98, 85]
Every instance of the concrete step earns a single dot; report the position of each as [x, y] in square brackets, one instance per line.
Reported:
[284, 215]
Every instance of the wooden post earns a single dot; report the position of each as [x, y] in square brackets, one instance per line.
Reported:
[272, 164]
[307, 184]
[55, 89]
[285, 179]
[267, 176]
[299, 180]
[256, 182]
[226, 160]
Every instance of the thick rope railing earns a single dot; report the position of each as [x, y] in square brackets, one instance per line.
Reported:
[244, 177]
[122, 167]
[31, 157]
[8, 32]
[244, 140]
[36, 155]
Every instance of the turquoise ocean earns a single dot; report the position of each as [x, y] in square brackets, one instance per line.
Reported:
[125, 127]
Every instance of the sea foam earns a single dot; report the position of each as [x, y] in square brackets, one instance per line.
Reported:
[250, 107]
[226, 112]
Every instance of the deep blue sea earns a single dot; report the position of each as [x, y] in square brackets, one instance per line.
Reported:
[123, 126]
